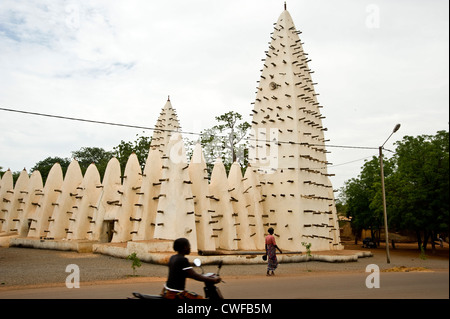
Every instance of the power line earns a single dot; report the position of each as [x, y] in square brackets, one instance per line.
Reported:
[331, 165]
[90, 121]
[170, 130]
[345, 163]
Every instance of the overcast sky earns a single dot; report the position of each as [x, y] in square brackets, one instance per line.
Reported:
[377, 63]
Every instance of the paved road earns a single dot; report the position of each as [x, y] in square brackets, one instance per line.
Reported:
[393, 285]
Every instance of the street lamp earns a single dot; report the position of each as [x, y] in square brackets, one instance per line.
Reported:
[388, 258]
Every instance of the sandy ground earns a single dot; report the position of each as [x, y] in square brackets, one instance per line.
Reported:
[25, 267]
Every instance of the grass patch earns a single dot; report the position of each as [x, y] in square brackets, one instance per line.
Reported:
[406, 269]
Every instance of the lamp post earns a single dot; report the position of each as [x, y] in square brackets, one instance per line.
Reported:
[388, 258]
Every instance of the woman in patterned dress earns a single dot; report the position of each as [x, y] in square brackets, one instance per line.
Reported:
[271, 247]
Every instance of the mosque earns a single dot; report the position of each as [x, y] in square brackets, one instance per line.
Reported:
[286, 185]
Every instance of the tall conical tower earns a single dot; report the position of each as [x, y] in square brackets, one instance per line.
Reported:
[166, 125]
[287, 146]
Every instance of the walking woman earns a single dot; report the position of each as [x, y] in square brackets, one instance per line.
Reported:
[271, 247]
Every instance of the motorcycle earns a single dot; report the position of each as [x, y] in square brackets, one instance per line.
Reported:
[211, 291]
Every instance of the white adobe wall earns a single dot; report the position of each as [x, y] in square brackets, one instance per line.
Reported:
[252, 191]
[222, 212]
[131, 185]
[175, 214]
[145, 212]
[45, 204]
[30, 199]
[11, 208]
[108, 202]
[245, 224]
[6, 191]
[202, 203]
[64, 209]
[85, 205]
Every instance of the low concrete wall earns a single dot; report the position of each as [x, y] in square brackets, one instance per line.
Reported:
[159, 252]
[5, 240]
[162, 257]
[78, 246]
[152, 251]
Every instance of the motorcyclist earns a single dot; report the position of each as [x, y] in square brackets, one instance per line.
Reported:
[179, 270]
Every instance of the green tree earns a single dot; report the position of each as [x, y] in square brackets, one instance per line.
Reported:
[417, 189]
[87, 155]
[362, 197]
[140, 147]
[423, 181]
[226, 140]
[46, 165]
[99, 156]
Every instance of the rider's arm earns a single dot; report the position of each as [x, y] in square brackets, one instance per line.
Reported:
[192, 274]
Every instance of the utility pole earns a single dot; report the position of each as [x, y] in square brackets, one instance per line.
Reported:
[388, 257]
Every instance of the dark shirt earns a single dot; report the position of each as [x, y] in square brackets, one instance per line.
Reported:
[178, 265]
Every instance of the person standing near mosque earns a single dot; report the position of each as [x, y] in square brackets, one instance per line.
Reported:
[271, 253]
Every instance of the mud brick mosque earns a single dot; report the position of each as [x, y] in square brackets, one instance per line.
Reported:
[286, 186]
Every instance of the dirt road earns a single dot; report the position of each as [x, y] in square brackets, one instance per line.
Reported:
[393, 285]
[33, 273]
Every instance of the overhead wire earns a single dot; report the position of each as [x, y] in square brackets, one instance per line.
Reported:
[170, 130]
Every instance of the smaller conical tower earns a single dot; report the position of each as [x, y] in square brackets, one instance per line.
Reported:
[166, 125]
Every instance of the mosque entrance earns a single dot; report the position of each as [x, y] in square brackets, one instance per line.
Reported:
[29, 221]
[108, 231]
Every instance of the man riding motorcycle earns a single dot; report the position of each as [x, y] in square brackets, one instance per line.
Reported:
[179, 270]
